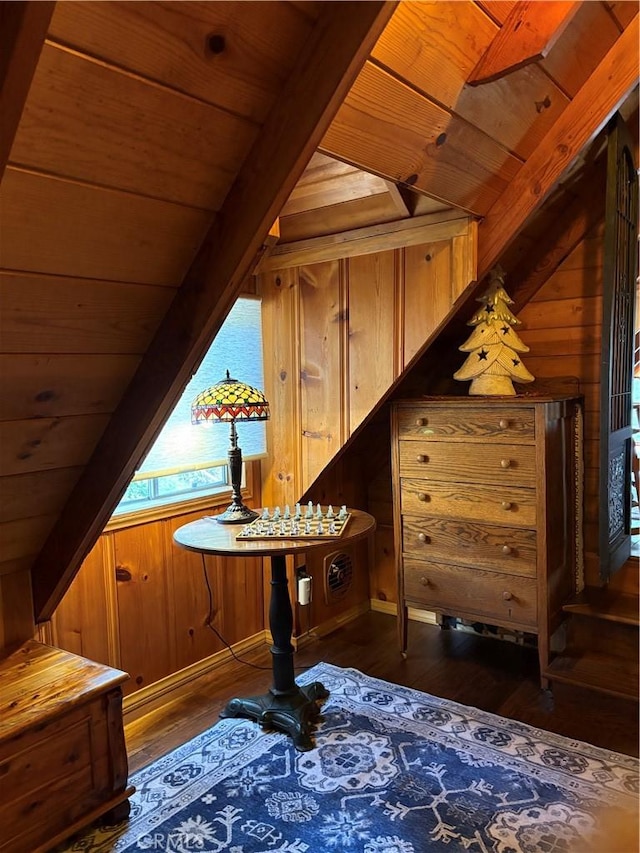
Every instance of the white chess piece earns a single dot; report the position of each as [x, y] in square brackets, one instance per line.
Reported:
[265, 513]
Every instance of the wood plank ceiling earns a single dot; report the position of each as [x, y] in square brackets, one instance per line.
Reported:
[156, 143]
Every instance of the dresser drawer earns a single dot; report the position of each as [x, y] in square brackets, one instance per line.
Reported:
[503, 599]
[503, 504]
[447, 461]
[467, 423]
[511, 550]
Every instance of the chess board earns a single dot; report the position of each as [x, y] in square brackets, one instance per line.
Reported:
[320, 525]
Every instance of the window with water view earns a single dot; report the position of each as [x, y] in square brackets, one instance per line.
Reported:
[187, 460]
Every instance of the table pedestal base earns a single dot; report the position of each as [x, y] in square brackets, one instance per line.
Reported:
[293, 712]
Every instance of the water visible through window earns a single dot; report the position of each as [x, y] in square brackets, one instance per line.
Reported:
[187, 460]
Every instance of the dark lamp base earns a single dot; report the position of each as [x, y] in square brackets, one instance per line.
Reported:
[236, 514]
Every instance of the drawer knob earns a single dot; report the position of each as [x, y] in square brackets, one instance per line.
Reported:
[506, 504]
[422, 458]
[506, 595]
[421, 421]
[505, 463]
[424, 581]
[506, 549]
[423, 496]
[503, 424]
[422, 537]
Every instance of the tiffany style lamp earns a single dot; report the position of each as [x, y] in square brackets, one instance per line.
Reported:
[229, 401]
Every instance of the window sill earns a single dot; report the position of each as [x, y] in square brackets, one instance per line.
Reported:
[219, 500]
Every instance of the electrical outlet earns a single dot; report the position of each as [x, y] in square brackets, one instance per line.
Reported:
[304, 590]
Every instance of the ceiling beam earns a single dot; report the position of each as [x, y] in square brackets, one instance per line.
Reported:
[582, 119]
[23, 27]
[529, 32]
[328, 65]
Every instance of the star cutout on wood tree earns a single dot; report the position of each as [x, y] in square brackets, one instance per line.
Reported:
[493, 363]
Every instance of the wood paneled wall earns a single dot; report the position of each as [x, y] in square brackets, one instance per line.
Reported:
[343, 321]
[141, 604]
[111, 185]
[562, 327]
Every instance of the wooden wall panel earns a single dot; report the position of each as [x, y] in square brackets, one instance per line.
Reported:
[16, 609]
[390, 298]
[140, 603]
[382, 574]
[372, 356]
[562, 327]
[80, 111]
[280, 307]
[427, 293]
[321, 362]
[82, 625]
[237, 605]
[95, 233]
[190, 599]
[144, 618]
[241, 597]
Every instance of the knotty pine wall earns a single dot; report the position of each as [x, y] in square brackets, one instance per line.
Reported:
[562, 326]
[341, 332]
[141, 604]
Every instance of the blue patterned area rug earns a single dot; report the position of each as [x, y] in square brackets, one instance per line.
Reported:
[393, 771]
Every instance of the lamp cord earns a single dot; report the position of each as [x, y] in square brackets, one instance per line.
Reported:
[212, 627]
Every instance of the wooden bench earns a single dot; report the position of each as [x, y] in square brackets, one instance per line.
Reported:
[63, 761]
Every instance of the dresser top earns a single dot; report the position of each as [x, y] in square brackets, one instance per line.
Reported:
[484, 402]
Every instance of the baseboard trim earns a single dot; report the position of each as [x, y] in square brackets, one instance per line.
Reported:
[159, 693]
[414, 613]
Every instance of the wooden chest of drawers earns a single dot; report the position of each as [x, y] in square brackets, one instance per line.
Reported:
[486, 499]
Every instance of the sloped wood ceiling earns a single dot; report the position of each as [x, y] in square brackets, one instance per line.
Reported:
[157, 144]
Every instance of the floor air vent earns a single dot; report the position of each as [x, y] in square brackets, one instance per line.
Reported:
[338, 574]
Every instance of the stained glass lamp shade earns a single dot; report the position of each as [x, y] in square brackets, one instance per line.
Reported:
[229, 401]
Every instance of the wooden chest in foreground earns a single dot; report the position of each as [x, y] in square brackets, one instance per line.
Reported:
[63, 761]
[486, 504]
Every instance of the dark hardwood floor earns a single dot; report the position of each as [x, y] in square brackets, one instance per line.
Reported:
[486, 673]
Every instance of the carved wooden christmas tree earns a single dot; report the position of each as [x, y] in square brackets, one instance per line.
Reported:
[493, 363]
